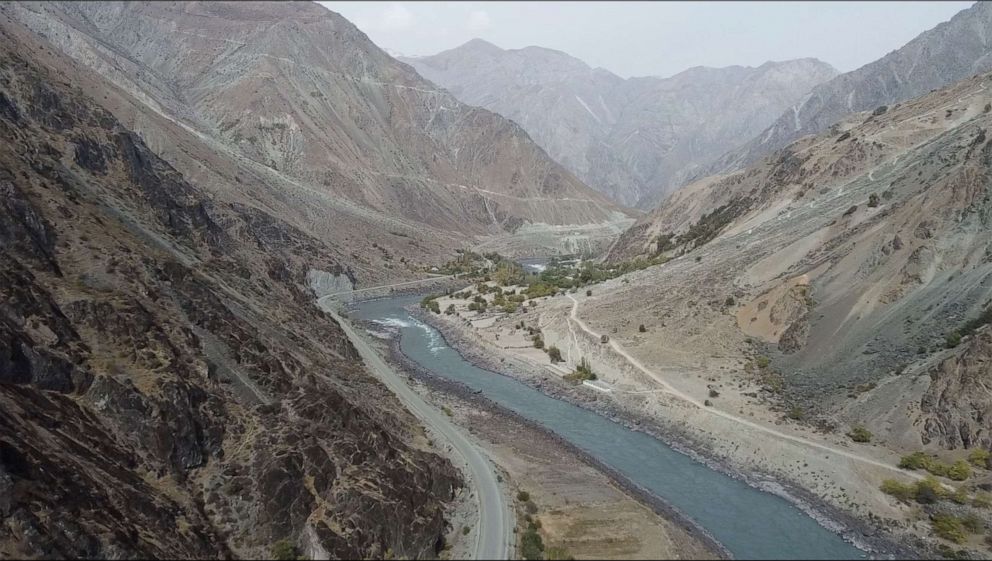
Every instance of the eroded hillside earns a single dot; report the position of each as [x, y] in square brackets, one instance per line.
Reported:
[847, 258]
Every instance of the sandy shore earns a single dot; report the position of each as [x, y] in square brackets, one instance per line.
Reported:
[816, 483]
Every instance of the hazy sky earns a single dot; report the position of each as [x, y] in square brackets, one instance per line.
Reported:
[656, 38]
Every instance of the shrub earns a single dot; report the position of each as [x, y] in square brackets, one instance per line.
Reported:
[928, 491]
[554, 354]
[284, 550]
[796, 413]
[523, 496]
[959, 471]
[982, 500]
[972, 523]
[450, 310]
[714, 393]
[953, 339]
[978, 457]
[588, 292]
[900, 491]
[466, 530]
[538, 342]
[859, 434]
[851, 210]
[729, 301]
[873, 200]
[531, 545]
[916, 460]
[557, 554]
[642, 329]
[762, 361]
[949, 527]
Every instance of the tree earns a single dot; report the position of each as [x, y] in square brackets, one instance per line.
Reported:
[554, 354]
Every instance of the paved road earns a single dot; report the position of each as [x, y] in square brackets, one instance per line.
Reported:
[574, 316]
[493, 533]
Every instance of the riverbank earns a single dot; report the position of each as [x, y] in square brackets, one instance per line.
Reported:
[584, 506]
[865, 535]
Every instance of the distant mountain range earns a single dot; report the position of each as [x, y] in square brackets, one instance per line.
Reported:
[949, 52]
[633, 140]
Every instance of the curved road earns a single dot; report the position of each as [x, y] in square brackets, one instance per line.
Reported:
[493, 532]
[574, 316]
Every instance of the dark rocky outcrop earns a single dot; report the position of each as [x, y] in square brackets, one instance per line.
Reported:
[167, 387]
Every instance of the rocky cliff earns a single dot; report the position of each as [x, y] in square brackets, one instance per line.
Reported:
[167, 387]
[634, 140]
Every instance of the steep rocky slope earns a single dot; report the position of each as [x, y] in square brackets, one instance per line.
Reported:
[634, 140]
[949, 52]
[846, 258]
[167, 387]
[297, 98]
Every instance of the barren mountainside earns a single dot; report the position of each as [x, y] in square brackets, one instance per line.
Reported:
[167, 387]
[848, 257]
[299, 98]
[949, 52]
[634, 140]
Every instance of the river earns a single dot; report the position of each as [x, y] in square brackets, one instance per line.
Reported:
[750, 523]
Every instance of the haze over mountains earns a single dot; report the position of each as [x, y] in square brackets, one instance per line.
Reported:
[636, 139]
[949, 52]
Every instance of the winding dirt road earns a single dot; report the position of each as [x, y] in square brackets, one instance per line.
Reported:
[574, 317]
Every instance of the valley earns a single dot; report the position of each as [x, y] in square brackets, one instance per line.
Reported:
[268, 290]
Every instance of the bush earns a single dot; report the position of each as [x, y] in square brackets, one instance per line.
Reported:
[900, 491]
[959, 471]
[979, 457]
[466, 530]
[873, 200]
[714, 393]
[588, 292]
[523, 496]
[953, 340]
[729, 301]
[949, 527]
[796, 413]
[762, 361]
[531, 545]
[554, 354]
[450, 310]
[859, 434]
[916, 460]
[538, 342]
[982, 500]
[642, 329]
[928, 491]
[284, 550]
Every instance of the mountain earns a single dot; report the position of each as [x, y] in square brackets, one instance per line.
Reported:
[168, 389]
[849, 259]
[633, 140]
[296, 105]
[949, 52]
